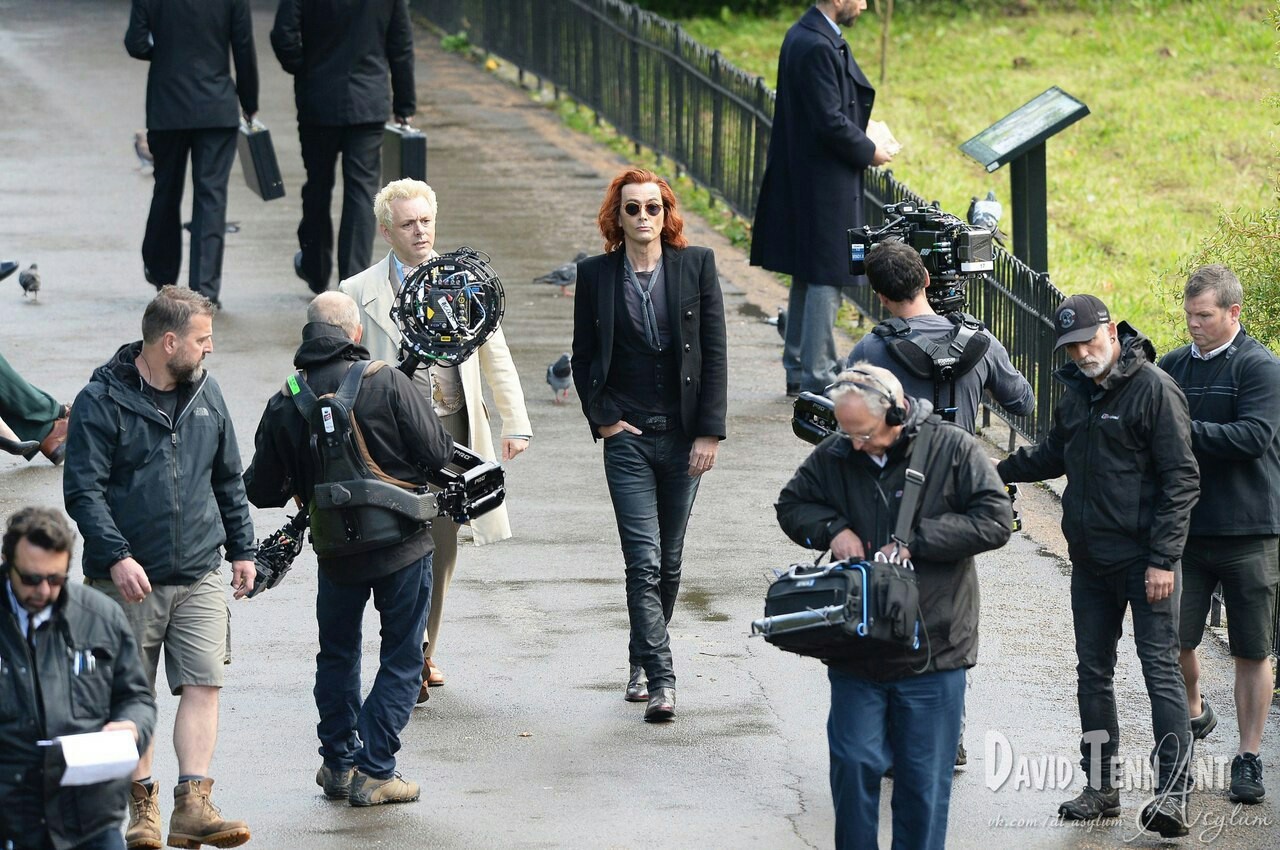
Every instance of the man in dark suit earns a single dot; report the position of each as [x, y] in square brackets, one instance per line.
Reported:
[192, 111]
[812, 190]
[650, 365]
[340, 53]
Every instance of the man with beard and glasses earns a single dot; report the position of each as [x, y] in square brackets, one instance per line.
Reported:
[1122, 435]
[153, 480]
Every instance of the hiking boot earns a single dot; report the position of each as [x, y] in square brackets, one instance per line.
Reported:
[637, 686]
[196, 820]
[1246, 779]
[368, 791]
[1166, 816]
[144, 817]
[1204, 724]
[336, 783]
[1092, 804]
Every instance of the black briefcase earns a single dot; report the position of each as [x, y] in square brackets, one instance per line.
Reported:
[404, 153]
[258, 158]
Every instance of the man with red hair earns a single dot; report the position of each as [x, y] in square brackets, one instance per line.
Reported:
[650, 366]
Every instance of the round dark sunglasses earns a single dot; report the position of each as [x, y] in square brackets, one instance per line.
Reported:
[36, 581]
[632, 208]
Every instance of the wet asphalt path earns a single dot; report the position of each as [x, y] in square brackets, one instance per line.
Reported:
[529, 744]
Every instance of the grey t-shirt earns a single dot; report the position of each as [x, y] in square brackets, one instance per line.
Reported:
[993, 372]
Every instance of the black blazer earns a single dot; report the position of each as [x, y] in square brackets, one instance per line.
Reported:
[812, 189]
[189, 86]
[340, 52]
[696, 308]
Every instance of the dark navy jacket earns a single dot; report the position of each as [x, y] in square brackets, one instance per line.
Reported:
[1234, 400]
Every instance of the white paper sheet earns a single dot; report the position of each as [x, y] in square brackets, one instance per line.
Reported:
[97, 756]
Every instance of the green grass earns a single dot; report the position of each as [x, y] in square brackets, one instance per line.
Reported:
[1178, 131]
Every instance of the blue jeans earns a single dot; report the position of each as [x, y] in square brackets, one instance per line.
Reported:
[1097, 608]
[912, 724]
[652, 493]
[108, 839]
[809, 347]
[368, 735]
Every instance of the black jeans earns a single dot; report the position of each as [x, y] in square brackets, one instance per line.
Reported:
[212, 152]
[360, 146]
[652, 493]
[1097, 606]
[368, 734]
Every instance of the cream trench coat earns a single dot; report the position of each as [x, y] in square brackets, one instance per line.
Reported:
[374, 295]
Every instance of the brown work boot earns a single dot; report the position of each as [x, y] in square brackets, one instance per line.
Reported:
[196, 820]
[144, 817]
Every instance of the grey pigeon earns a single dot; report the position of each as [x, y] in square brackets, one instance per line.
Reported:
[142, 150]
[780, 322]
[560, 378]
[563, 276]
[986, 214]
[29, 280]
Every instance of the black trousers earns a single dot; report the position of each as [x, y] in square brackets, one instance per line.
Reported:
[361, 148]
[211, 151]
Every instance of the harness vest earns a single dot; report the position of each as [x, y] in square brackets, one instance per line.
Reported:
[355, 507]
[943, 360]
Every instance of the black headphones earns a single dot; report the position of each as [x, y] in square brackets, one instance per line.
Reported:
[895, 415]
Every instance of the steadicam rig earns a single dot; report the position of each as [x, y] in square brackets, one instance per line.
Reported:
[448, 308]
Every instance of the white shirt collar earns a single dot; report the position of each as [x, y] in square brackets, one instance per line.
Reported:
[1201, 355]
[27, 620]
[834, 25]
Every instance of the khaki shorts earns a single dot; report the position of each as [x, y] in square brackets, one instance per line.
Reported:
[189, 621]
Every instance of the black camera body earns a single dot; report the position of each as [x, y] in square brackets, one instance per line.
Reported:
[953, 251]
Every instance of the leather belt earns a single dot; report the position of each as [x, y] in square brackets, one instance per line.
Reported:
[650, 422]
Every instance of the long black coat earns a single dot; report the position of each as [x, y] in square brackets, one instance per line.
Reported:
[812, 191]
[696, 307]
[340, 52]
[189, 86]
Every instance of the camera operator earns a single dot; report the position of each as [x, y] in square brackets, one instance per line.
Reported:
[893, 706]
[400, 438]
[916, 338]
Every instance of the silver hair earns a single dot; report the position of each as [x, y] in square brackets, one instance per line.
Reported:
[1219, 280]
[399, 190]
[878, 388]
[335, 308]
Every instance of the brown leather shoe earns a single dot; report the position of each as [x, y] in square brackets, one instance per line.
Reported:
[54, 445]
[196, 820]
[144, 817]
[433, 674]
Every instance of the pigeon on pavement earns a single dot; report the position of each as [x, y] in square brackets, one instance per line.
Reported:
[29, 280]
[560, 378]
[563, 276]
[143, 151]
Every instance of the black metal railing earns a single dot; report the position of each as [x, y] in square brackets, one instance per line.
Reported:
[646, 76]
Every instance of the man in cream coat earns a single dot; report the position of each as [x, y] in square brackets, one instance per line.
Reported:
[406, 214]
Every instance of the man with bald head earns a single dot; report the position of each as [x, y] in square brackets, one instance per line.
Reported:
[400, 440]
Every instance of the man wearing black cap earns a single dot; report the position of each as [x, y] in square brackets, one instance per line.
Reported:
[1124, 422]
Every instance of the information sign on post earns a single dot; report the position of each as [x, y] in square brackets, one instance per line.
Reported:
[1018, 139]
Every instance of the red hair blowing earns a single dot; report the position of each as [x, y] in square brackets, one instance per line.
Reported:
[610, 217]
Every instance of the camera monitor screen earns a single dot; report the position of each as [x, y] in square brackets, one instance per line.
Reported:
[1027, 126]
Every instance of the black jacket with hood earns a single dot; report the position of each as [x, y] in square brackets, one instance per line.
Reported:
[167, 493]
[963, 510]
[1125, 447]
[400, 430]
